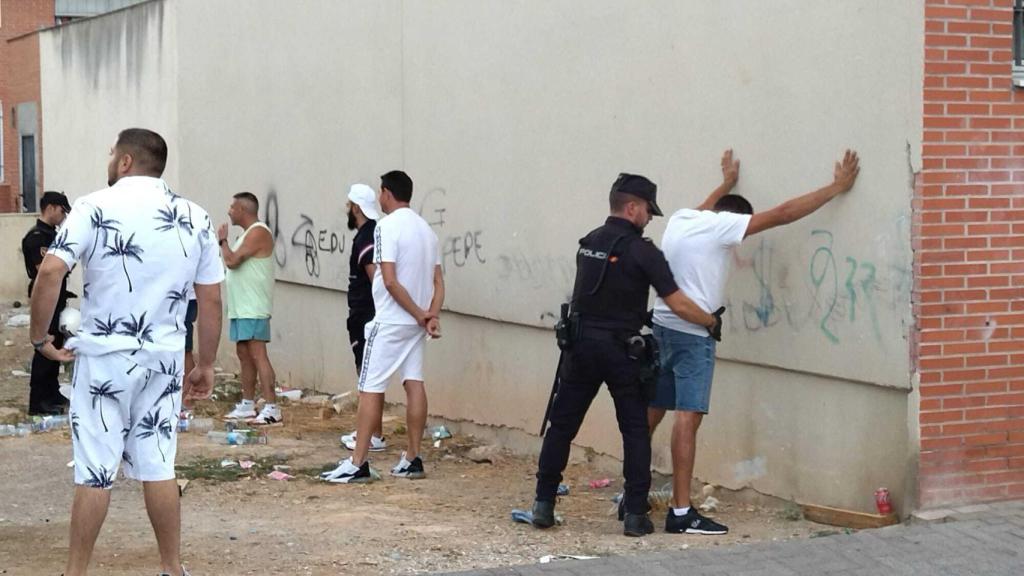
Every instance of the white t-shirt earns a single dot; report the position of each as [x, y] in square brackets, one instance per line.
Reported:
[403, 237]
[698, 246]
[142, 247]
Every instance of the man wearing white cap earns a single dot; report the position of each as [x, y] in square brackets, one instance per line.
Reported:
[362, 217]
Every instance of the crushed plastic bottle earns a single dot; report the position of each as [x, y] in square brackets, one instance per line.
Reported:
[438, 433]
[198, 425]
[237, 437]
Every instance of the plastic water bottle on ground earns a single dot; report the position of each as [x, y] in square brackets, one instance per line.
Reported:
[237, 437]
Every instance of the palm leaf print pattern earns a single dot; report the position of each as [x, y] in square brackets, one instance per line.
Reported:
[101, 227]
[152, 425]
[124, 249]
[108, 328]
[103, 391]
[139, 329]
[101, 478]
[177, 298]
[61, 244]
[174, 221]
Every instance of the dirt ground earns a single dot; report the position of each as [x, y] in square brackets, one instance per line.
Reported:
[240, 522]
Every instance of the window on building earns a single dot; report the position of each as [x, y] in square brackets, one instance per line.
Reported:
[1018, 43]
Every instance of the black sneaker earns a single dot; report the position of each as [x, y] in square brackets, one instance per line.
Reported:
[693, 523]
[406, 469]
[543, 514]
[637, 525]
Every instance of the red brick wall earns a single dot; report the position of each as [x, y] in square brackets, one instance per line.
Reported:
[19, 82]
[969, 258]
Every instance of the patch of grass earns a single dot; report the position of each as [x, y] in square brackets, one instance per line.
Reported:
[210, 469]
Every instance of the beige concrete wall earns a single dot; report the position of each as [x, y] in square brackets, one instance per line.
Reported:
[513, 118]
[13, 281]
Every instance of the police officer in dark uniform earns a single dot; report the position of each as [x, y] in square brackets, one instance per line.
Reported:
[616, 266]
[44, 388]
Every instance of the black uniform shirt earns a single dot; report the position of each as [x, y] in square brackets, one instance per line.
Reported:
[33, 247]
[633, 265]
[360, 289]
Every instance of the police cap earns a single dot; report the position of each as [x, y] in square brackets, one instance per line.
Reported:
[51, 198]
[639, 186]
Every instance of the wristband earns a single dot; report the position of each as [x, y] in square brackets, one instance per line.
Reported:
[39, 345]
[221, 242]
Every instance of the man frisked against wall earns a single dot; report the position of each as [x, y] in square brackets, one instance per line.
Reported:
[698, 245]
[615, 268]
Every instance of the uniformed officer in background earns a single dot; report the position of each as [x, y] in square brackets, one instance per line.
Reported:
[615, 266]
[44, 389]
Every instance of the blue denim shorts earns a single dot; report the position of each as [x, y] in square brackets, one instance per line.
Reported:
[687, 367]
[245, 329]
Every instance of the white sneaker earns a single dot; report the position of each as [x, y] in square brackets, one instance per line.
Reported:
[271, 414]
[349, 473]
[406, 469]
[242, 410]
[377, 444]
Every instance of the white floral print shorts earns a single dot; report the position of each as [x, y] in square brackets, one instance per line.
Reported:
[121, 411]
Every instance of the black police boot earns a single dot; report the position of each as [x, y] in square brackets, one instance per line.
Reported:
[544, 514]
[637, 525]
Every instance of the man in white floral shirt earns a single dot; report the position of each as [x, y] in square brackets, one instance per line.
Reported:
[142, 248]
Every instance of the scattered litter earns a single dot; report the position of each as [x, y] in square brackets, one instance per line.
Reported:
[526, 517]
[438, 433]
[279, 475]
[8, 343]
[293, 394]
[555, 557]
[237, 437]
[182, 485]
[19, 320]
[65, 390]
[20, 373]
[71, 464]
[563, 490]
[602, 483]
[246, 464]
[282, 467]
[228, 463]
[710, 504]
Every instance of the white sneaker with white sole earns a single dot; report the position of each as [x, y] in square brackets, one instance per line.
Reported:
[377, 444]
[242, 411]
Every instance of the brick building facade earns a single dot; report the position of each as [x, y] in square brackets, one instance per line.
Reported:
[969, 257]
[19, 92]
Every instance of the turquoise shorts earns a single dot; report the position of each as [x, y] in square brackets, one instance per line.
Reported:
[245, 329]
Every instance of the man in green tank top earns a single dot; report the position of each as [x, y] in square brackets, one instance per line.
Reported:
[250, 288]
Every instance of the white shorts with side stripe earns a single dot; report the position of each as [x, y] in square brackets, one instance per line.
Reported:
[391, 349]
[123, 412]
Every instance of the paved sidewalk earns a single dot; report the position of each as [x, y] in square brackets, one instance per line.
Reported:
[984, 543]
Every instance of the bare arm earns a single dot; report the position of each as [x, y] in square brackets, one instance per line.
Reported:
[688, 310]
[208, 322]
[258, 243]
[400, 294]
[730, 175]
[44, 303]
[796, 208]
[371, 269]
[433, 325]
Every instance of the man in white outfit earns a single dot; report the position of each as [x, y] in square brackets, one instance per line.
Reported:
[143, 249]
[408, 292]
